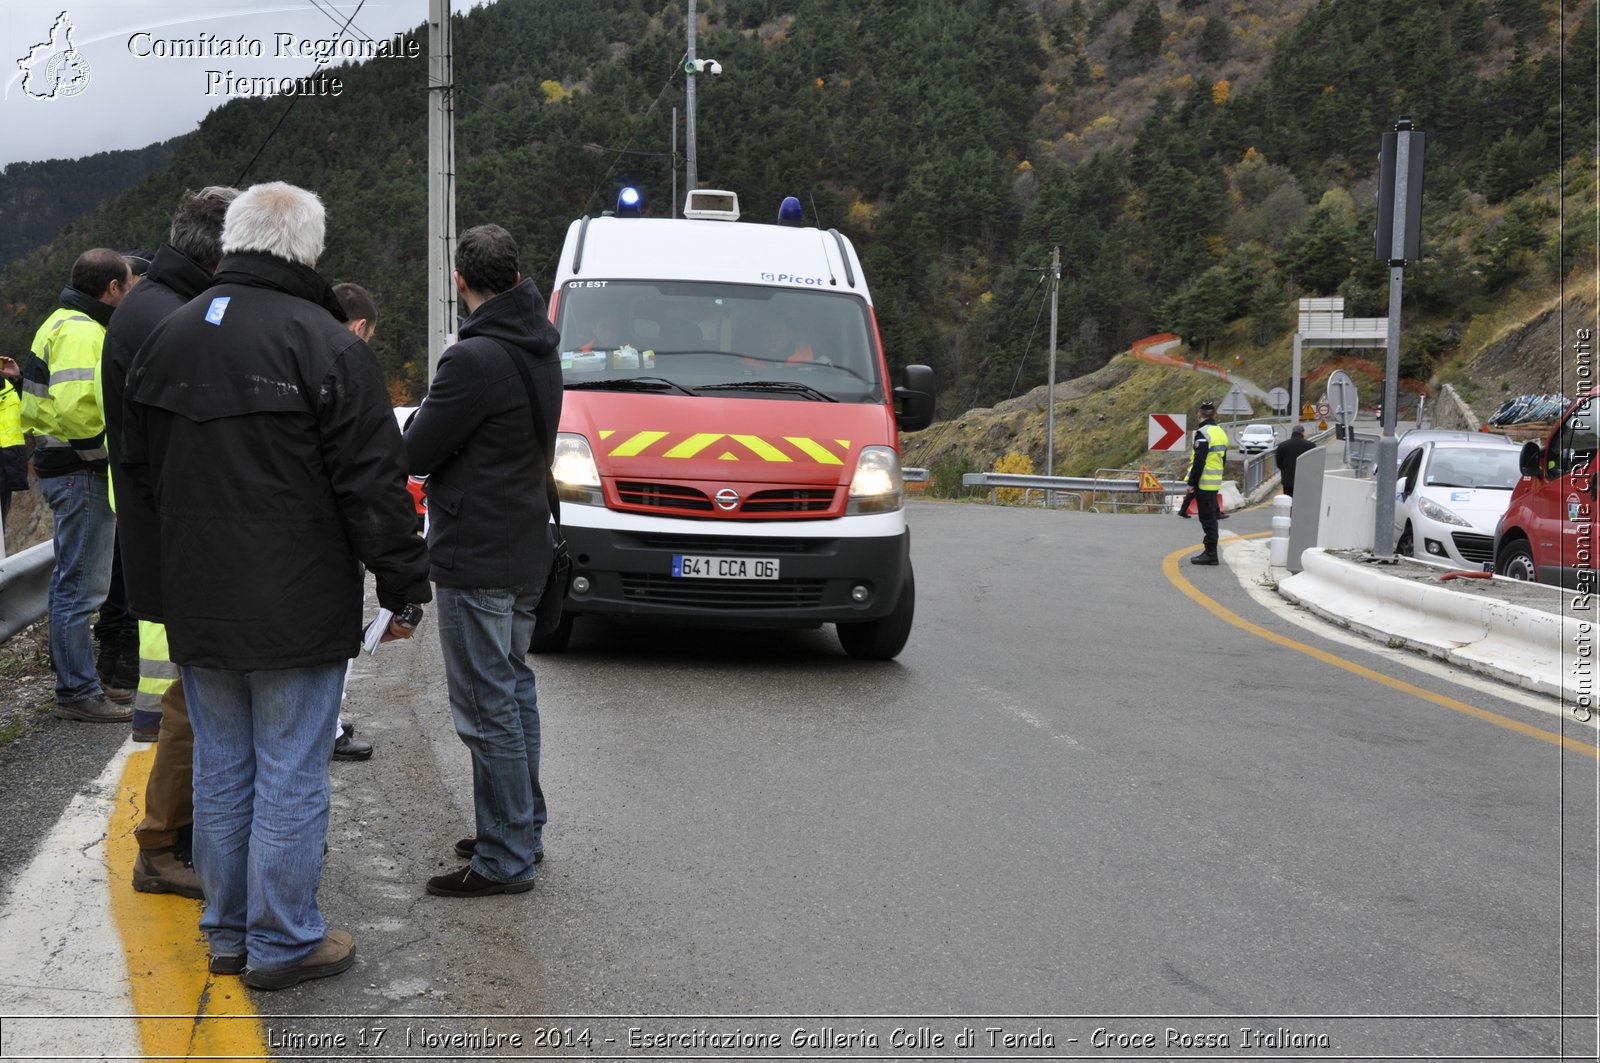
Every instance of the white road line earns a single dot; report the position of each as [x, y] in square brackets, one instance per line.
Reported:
[60, 954]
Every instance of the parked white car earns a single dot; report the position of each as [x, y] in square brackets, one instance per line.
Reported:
[1256, 439]
[1450, 494]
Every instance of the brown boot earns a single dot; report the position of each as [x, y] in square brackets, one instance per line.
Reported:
[333, 955]
[164, 871]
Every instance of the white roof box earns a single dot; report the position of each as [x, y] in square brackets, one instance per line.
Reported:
[711, 204]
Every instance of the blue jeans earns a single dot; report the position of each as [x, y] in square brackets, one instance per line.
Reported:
[484, 633]
[261, 750]
[85, 535]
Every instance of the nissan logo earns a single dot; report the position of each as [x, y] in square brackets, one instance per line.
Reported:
[727, 498]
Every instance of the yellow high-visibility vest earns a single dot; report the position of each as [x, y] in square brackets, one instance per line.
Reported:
[10, 417]
[1216, 457]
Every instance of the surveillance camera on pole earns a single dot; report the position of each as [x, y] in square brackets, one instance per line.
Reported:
[702, 66]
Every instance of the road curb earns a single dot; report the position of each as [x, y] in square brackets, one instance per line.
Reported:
[1522, 646]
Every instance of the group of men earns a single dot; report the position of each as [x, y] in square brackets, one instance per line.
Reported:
[230, 410]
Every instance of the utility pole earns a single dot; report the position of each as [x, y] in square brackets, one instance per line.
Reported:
[1050, 388]
[691, 175]
[441, 184]
[1397, 239]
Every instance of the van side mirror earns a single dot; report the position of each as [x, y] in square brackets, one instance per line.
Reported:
[1531, 460]
[913, 399]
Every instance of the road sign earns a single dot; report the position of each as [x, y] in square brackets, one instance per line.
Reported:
[1323, 409]
[1342, 396]
[1148, 481]
[1235, 402]
[1278, 399]
[1168, 430]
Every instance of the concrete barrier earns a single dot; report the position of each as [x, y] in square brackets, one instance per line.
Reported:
[1349, 511]
[1517, 644]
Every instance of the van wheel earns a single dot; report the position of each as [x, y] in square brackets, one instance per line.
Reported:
[882, 639]
[1516, 561]
[1406, 546]
[553, 641]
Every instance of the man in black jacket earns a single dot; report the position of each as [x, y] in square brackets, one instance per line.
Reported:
[1289, 450]
[260, 429]
[488, 540]
[180, 270]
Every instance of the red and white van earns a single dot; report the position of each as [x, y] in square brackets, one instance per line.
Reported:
[1547, 533]
[728, 452]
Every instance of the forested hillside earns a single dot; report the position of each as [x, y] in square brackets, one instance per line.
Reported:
[38, 199]
[1201, 163]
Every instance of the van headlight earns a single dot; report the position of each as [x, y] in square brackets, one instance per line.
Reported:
[577, 476]
[1434, 511]
[876, 487]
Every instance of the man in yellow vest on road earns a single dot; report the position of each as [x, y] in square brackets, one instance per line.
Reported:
[1206, 460]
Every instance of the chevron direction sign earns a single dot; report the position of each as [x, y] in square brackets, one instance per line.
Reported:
[1169, 431]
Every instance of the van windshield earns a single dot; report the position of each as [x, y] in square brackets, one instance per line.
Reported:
[676, 335]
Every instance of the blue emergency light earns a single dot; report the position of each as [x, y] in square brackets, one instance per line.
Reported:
[629, 201]
[790, 212]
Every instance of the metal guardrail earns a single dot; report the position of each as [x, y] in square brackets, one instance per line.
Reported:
[1076, 487]
[25, 587]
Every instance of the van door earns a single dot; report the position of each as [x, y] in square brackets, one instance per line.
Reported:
[1563, 518]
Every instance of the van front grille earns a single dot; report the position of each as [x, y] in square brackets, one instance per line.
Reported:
[662, 496]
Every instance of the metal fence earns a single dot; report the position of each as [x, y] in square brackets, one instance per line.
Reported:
[1087, 492]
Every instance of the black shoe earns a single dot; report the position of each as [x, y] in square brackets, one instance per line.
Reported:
[1204, 558]
[227, 964]
[465, 882]
[349, 747]
[467, 846]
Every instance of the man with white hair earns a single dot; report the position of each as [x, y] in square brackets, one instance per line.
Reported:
[259, 427]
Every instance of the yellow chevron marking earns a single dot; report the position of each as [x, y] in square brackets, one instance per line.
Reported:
[818, 453]
[762, 449]
[845, 443]
[728, 455]
[637, 444]
[607, 433]
[693, 445]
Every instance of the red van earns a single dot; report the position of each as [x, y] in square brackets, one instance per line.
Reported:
[1547, 533]
[729, 449]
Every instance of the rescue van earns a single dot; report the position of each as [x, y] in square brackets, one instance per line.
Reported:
[1547, 533]
[728, 453]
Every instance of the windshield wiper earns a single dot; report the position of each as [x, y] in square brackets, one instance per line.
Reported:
[630, 383]
[771, 385]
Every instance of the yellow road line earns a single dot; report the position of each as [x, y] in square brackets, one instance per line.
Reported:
[183, 1011]
[1169, 565]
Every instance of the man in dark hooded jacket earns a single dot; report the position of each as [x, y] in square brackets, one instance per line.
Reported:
[260, 430]
[474, 439]
[179, 271]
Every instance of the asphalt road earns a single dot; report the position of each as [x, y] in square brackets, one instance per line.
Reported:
[1077, 793]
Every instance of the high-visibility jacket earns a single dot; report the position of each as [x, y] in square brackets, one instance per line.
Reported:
[60, 394]
[10, 416]
[1216, 457]
[156, 670]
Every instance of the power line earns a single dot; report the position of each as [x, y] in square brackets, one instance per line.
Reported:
[293, 100]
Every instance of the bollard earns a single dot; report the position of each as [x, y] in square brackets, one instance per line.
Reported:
[1278, 549]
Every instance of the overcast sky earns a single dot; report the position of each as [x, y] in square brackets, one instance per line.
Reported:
[122, 92]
